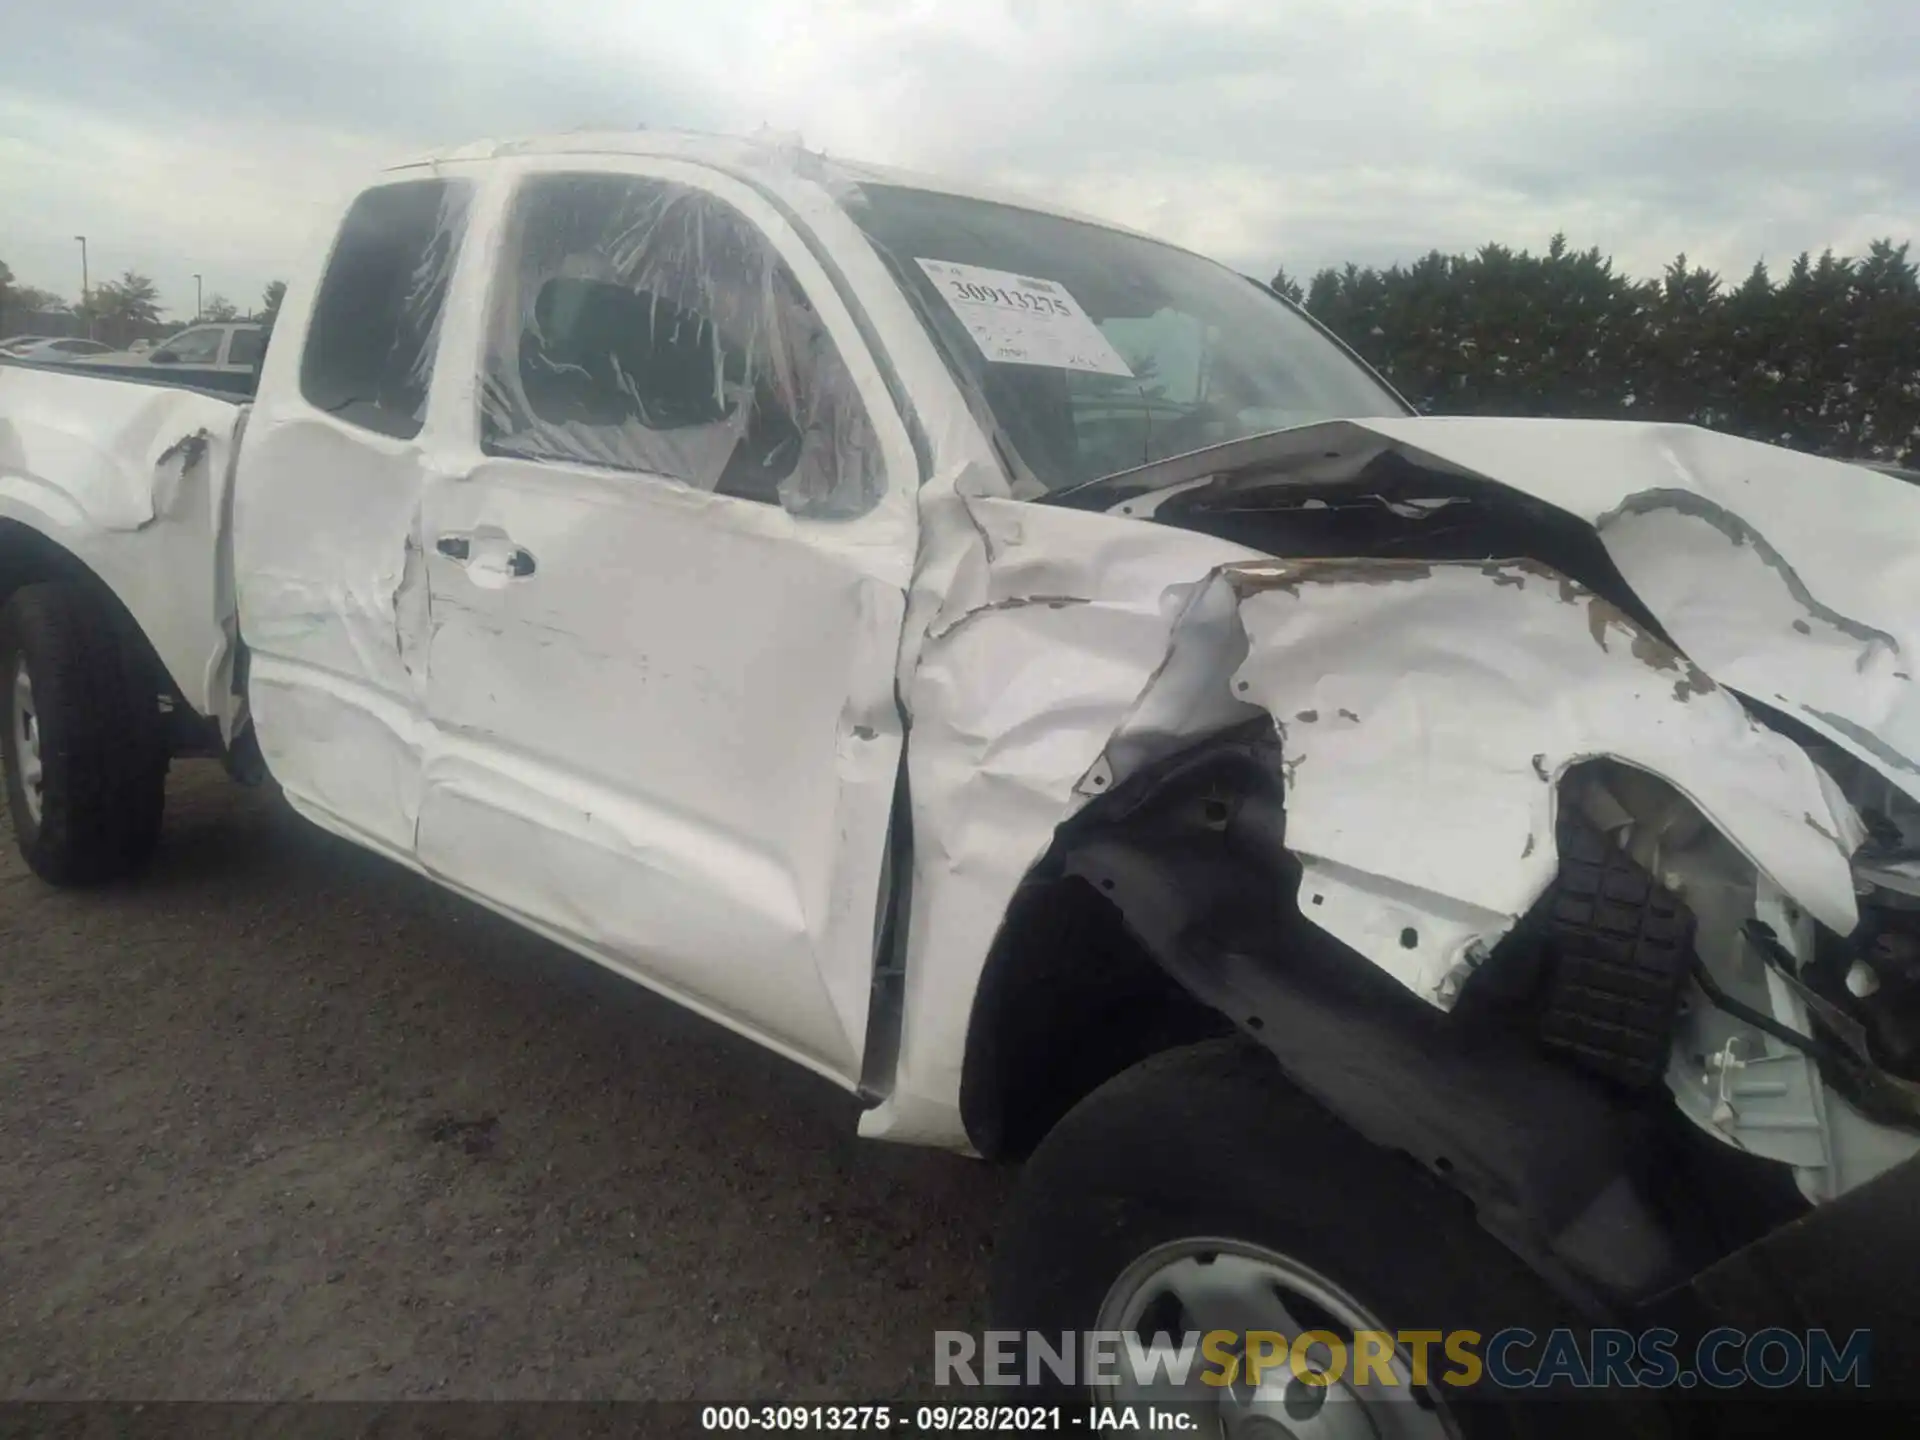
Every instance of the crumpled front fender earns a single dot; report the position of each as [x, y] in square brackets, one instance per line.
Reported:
[1427, 709]
[1427, 713]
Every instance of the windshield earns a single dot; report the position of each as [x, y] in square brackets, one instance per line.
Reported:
[1098, 351]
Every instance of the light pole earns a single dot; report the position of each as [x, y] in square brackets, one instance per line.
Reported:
[199, 306]
[86, 305]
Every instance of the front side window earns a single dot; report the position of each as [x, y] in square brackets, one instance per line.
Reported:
[647, 326]
[376, 320]
[1096, 351]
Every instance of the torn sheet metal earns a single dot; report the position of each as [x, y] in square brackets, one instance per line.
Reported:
[1427, 714]
[132, 480]
[1033, 634]
[1472, 687]
[1787, 577]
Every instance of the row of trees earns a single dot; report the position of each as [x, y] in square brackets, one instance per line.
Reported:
[120, 309]
[1826, 359]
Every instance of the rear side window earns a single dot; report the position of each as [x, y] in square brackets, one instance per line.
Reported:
[649, 327]
[246, 347]
[369, 355]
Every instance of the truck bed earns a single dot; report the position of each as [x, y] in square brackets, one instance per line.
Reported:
[220, 382]
[131, 479]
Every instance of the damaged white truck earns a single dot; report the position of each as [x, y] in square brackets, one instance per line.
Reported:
[1386, 872]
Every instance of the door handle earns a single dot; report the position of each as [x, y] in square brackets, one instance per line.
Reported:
[515, 563]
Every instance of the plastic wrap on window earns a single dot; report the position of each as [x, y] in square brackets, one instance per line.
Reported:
[376, 321]
[417, 338]
[646, 326]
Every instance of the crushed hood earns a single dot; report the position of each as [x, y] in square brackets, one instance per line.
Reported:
[1788, 578]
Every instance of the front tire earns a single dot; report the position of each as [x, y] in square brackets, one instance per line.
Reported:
[1204, 1172]
[84, 748]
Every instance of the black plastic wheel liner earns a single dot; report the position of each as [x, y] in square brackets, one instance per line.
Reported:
[1850, 1264]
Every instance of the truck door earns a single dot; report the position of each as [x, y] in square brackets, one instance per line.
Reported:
[327, 569]
[666, 601]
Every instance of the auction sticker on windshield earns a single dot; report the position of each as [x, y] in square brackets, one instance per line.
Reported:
[1018, 320]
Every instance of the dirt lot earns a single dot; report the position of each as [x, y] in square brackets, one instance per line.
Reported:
[282, 1120]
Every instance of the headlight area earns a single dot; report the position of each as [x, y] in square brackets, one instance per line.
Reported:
[1872, 977]
[1880, 982]
[1849, 1004]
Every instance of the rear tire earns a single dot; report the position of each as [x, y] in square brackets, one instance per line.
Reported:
[84, 746]
[1207, 1153]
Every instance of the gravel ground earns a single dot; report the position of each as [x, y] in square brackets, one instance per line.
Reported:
[282, 1120]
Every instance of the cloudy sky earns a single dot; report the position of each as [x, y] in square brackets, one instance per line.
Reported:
[213, 135]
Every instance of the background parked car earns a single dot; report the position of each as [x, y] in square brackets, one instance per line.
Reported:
[216, 356]
[225, 346]
[31, 347]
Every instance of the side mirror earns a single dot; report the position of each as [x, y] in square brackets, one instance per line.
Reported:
[163, 357]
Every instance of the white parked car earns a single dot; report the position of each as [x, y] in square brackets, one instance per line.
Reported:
[218, 356]
[218, 345]
[55, 350]
[1385, 872]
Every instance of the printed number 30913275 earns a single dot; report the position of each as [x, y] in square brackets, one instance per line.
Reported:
[1009, 299]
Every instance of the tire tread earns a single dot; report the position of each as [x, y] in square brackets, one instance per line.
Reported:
[102, 742]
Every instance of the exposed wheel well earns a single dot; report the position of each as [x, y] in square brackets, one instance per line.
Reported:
[1068, 1001]
[1165, 913]
[27, 557]
[1071, 996]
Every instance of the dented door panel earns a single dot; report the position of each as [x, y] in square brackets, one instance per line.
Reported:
[674, 741]
[326, 563]
[661, 683]
[326, 544]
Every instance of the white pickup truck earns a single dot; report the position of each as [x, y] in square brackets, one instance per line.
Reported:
[1385, 872]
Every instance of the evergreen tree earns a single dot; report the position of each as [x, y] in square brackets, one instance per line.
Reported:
[1827, 359]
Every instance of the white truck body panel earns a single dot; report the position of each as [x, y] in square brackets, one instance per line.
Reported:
[664, 726]
[1423, 821]
[607, 753]
[132, 480]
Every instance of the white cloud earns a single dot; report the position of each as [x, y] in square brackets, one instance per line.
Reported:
[233, 206]
[208, 134]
